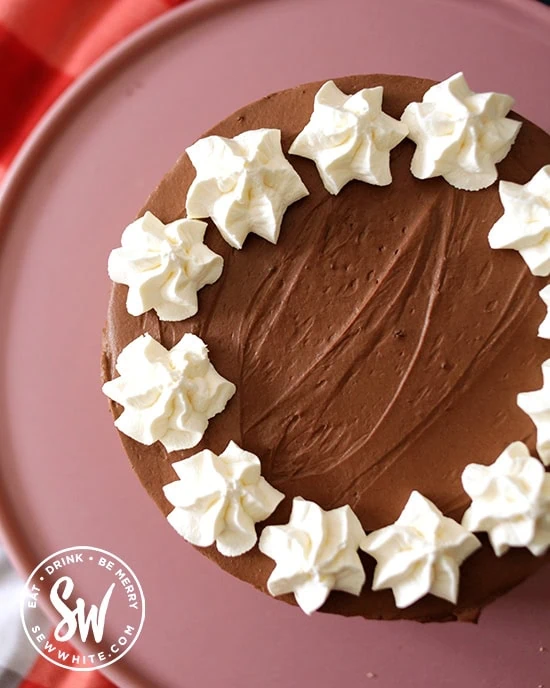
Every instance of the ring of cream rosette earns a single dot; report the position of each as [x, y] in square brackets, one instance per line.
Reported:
[244, 185]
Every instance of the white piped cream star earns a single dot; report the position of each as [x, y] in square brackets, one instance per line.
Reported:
[167, 396]
[220, 498]
[316, 552]
[164, 266]
[349, 137]
[544, 327]
[245, 184]
[510, 501]
[460, 135]
[420, 553]
[525, 225]
[537, 406]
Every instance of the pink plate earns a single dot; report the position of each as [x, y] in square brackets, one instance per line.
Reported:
[89, 166]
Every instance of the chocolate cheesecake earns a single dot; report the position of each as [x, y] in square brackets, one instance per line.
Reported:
[378, 348]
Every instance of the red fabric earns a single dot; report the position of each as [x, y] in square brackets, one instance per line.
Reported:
[44, 46]
[44, 674]
[32, 86]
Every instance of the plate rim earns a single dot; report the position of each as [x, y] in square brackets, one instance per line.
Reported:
[180, 17]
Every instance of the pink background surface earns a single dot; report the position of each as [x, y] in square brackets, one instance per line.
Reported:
[64, 478]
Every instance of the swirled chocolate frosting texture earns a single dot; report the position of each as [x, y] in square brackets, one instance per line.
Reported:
[377, 349]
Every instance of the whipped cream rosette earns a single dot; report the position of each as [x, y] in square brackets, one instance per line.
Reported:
[544, 327]
[525, 225]
[219, 499]
[537, 406]
[510, 501]
[168, 396]
[164, 266]
[460, 135]
[420, 553]
[245, 184]
[315, 552]
[349, 137]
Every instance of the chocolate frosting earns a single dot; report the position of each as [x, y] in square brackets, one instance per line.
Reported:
[377, 348]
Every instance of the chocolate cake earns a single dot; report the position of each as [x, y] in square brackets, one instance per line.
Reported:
[377, 348]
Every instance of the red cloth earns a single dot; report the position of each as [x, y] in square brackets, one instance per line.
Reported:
[44, 674]
[44, 46]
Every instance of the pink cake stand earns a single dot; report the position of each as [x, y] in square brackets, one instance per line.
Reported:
[88, 167]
